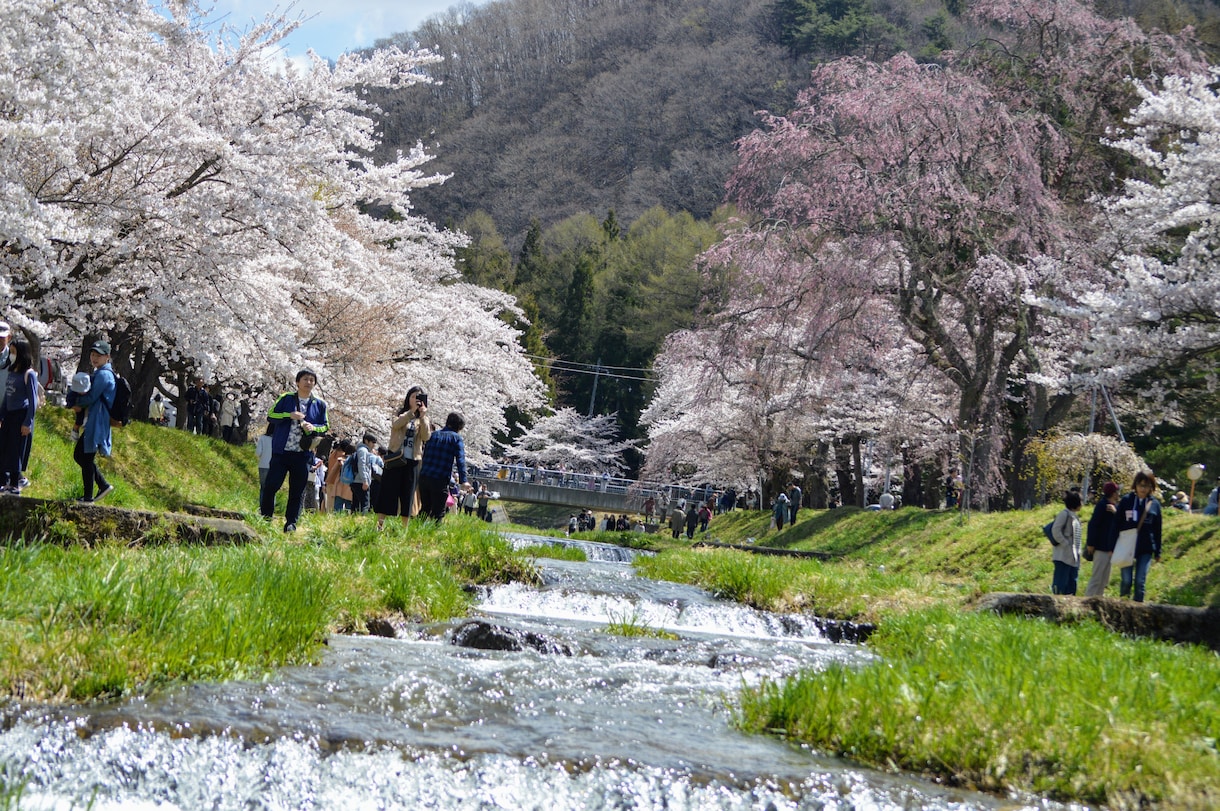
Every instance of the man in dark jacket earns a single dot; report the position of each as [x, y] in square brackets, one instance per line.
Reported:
[1100, 538]
[442, 450]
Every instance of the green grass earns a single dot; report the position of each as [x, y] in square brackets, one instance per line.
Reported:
[630, 625]
[1073, 712]
[78, 623]
[554, 552]
[840, 589]
[986, 552]
[997, 703]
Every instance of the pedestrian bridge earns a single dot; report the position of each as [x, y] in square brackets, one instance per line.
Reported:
[578, 491]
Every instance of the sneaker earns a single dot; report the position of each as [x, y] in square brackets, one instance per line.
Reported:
[105, 491]
[23, 482]
[290, 527]
[84, 501]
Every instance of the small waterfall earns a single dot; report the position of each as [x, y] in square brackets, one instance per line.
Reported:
[599, 552]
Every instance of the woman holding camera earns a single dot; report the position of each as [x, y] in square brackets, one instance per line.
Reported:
[408, 433]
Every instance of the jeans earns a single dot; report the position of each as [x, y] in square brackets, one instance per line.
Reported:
[1140, 573]
[360, 498]
[294, 466]
[1064, 581]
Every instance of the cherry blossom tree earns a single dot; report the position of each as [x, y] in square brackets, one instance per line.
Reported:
[164, 183]
[580, 444]
[1163, 305]
[960, 187]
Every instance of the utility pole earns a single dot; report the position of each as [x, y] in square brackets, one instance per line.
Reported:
[593, 397]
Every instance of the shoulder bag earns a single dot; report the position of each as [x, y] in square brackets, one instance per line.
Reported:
[1124, 549]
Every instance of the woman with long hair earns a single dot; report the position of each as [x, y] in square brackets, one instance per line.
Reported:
[17, 415]
[399, 480]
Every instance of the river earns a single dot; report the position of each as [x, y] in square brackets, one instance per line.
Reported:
[607, 722]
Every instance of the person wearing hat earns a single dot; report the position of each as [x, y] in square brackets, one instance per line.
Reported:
[1100, 539]
[95, 436]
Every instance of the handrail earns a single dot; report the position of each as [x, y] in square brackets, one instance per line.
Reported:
[663, 492]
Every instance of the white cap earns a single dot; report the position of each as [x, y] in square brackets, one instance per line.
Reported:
[80, 382]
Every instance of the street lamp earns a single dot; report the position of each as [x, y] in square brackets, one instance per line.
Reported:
[1194, 473]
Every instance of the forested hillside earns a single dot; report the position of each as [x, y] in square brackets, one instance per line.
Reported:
[589, 142]
[549, 108]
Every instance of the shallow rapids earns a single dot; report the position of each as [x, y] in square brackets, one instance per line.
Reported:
[415, 722]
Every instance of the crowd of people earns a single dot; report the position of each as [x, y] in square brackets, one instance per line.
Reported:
[422, 471]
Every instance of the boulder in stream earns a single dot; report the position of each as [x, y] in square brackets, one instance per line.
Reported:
[485, 636]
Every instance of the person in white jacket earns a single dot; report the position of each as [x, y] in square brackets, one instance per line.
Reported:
[1066, 533]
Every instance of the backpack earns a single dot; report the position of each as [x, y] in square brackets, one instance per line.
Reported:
[1049, 531]
[347, 473]
[120, 409]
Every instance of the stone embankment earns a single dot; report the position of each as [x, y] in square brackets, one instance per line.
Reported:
[72, 523]
[1170, 623]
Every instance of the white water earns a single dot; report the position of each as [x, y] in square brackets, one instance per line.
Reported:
[419, 723]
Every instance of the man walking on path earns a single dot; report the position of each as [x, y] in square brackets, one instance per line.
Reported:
[297, 416]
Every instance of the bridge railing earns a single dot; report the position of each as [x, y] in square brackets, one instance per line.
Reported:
[663, 492]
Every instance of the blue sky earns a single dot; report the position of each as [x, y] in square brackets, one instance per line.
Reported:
[333, 26]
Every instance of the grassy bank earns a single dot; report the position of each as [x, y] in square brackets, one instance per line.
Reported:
[1073, 712]
[970, 555]
[1076, 714]
[79, 623]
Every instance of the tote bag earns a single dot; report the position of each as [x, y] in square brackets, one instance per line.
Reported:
[1124, 550]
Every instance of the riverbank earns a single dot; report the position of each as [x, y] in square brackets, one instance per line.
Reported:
[1002, 703]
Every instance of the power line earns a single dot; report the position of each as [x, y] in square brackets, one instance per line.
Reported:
[591, 366]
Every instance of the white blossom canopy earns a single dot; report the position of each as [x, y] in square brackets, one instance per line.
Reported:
[163, 183]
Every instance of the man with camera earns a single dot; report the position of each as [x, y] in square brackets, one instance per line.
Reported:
[299, 419]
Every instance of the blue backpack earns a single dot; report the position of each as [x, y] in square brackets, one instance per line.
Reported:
[1049, 532]
[347, 473]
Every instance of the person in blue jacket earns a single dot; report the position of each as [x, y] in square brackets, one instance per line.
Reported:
[298, 417]
[95, 435]
[1139, 505]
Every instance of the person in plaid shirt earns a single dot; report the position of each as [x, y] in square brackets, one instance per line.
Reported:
[443, 449]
